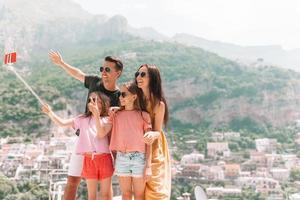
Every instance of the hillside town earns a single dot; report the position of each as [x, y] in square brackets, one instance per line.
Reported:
[221, 172]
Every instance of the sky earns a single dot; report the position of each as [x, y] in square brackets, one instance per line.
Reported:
[242, 22]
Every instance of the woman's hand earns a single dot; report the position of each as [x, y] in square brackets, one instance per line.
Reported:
[56, 58]
[150, 136]
[93, 107]
[147, 173]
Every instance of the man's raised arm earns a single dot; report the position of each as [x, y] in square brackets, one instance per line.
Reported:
[56, 58]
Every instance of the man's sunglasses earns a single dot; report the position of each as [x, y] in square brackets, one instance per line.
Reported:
[143, 74]
[107, 69]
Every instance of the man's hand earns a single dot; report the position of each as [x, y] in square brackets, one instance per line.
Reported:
[56, 58]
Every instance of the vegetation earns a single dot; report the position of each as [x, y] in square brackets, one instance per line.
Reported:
[10, 190]
[219, 80]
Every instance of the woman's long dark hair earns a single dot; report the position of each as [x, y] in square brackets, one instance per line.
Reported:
[155, 88]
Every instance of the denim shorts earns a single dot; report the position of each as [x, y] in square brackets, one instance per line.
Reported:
[130, 164]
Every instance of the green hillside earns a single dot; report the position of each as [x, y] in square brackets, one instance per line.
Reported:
[203, 89]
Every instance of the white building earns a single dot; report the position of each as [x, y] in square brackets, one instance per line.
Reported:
[298, 122]
[280, 174]
[217, 136]
[213, 173]
[192, 158]
[220, 136]
[295, 196]
[220, 191]
[218, 148]
[262, 185]
[290, 160]
[266, 145]
[231, 135]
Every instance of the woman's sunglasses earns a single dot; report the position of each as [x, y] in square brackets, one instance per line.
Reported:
[143, 74]
[107, 69]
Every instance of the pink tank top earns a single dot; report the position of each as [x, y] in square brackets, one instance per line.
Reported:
[88, 142]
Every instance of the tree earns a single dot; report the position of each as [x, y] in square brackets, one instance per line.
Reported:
[295, 175]
[7, 187]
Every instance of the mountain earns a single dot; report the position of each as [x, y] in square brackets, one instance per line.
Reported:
[147, 33]
[39, 24]
[272, 54]
[204, 90]
[36, 25]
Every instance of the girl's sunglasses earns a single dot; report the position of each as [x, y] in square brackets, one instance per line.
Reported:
[143, 74]
[90, 99]
[107, 69]
[124, 94]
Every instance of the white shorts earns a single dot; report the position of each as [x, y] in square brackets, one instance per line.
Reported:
[75, 165]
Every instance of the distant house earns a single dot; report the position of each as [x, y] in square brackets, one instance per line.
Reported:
[298, 122]
[258, 158]
[245, 174]
[280, 174]
[232, 170]
[263, 185]
[191, 170]
[215, 149]
[231, 135]
[217, 136]
[192, 158]
[273, 159]
[222, 192]
[290, 160]
[266, 145]
[214, 173]
[295, 196]
[220, 136]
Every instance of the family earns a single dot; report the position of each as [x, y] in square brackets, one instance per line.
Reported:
[120, 133]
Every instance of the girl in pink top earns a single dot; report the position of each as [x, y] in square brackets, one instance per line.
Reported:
[93, 143]
[130, 123]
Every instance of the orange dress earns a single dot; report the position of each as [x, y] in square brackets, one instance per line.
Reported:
[159, 185]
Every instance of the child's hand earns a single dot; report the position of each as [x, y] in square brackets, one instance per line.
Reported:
[112, 111]
[45, 108]
[93, 107]
[147, 173]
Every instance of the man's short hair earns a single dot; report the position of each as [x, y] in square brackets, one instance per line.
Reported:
[118, 62]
